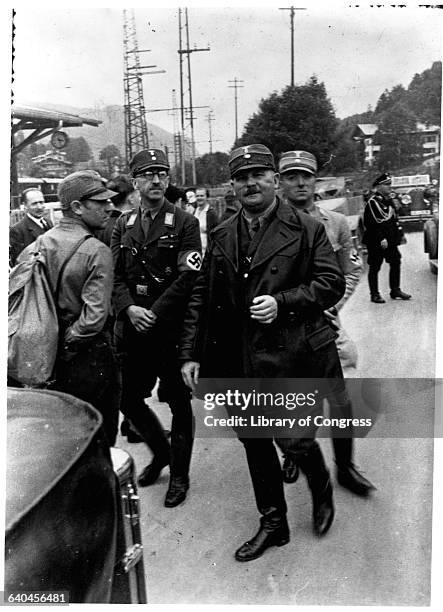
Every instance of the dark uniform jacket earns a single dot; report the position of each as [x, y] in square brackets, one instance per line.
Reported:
[22, 234]
[377, 227]
[156, 272]
[295, 263]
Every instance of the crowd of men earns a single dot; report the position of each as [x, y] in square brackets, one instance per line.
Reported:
[156, 291]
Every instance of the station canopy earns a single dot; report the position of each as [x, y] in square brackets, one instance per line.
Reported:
[42, 123]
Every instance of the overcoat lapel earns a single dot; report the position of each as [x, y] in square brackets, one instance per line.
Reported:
[226, 239]
[281, 232]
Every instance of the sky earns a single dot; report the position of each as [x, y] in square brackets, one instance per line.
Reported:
[75, 56]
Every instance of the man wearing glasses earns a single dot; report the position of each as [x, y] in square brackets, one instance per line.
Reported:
[157, 254]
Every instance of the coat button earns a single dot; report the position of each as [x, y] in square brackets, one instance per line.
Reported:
[274, 270]
[143, 261]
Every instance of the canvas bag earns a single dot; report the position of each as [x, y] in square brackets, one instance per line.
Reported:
[32, 320]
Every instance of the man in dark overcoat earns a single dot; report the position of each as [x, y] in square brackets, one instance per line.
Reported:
[31, 226]
[256, 311]
[157, 254]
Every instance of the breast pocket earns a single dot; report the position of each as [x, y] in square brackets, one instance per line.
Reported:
[168, 242]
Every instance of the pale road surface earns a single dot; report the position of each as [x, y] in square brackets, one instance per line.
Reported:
[378, 550]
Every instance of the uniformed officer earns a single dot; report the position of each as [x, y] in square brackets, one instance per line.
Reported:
[382, 236]
[157, 254]
[297, 178]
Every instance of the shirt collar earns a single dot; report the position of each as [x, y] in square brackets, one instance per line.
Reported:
[265, 215]
[151, 212]
[35, 219]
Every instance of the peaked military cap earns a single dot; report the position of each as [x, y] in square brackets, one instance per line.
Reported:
[297, 160]
[251, 156]
[148, 159]
[83, 185]
[384, 179]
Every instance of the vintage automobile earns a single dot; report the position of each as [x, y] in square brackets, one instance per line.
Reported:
[416, 200]
[72, 523]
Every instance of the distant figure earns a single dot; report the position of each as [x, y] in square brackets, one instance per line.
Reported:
[125, 199]
[232, 205]
[175, 195]
[31, 226]
[207, 217]
[191, 202]
[382, 236]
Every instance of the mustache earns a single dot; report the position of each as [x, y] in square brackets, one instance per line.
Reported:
[251, 191]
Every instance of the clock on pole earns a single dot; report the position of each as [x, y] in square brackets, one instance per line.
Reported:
[59, 140]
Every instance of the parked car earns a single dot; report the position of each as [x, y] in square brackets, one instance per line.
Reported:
[414, 195]
[72, 510]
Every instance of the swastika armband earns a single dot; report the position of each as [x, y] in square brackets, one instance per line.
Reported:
[189, 260]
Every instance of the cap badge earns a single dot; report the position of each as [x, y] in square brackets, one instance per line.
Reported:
[152, 154]
[246, 155]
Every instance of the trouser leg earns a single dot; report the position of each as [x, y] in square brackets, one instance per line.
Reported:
[265, 471]
[138, 380]
[182, 435]
[394, 275]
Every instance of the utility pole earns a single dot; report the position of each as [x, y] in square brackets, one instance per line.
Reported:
[211, 119]
[235, 87]
[292, 9]
[136, 130]
[187, 52]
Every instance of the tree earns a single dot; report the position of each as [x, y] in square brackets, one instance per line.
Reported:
[424, 95]
[301, 117]
[212, 168]
[388, 99]
[110, 154]
[399, 145]
[78, 150]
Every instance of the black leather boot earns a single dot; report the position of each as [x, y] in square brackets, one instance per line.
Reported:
[152, 471]
[274, 531]
[313, 466]
[151, 430]
[347, 474]
[398, 294]
[176, 494]
[290, 470]
[181, 451]
[377, 299]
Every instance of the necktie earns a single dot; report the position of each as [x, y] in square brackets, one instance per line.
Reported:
[146, 222]
[44, 224]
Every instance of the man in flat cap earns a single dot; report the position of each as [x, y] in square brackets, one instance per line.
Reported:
[256, 311]
[382, 236]
[157, 254]
[298, 170]
[85, 365]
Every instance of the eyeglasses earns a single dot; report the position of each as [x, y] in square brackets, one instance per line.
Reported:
[150, 175]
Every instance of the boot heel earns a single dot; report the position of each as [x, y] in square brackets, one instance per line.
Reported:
[282, 542]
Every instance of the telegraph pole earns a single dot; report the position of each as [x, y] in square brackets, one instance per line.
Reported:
[292, 9]
[210, 120]
[187, 52]
[235, 87]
